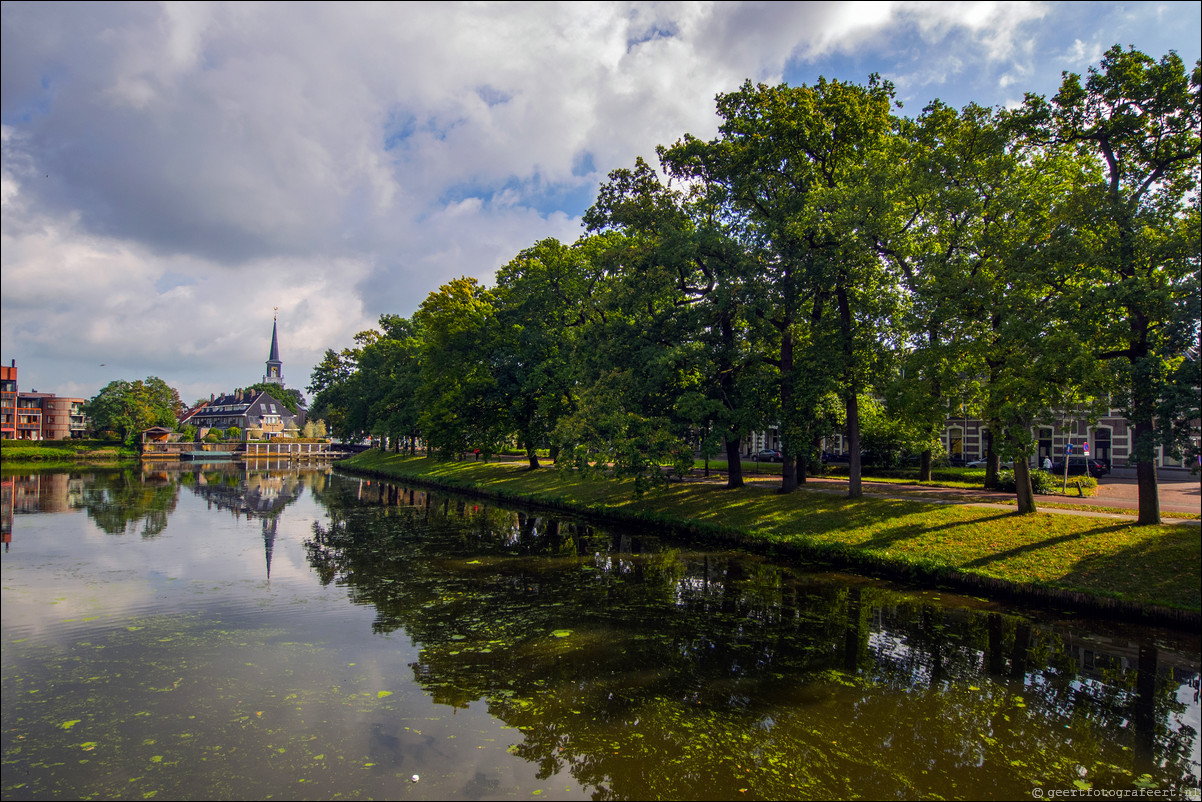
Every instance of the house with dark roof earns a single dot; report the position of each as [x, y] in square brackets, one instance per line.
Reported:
[255, 412]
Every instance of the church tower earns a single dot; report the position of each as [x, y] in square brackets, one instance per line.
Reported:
[274, 364]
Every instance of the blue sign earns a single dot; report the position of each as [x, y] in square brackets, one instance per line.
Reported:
[1068, 449]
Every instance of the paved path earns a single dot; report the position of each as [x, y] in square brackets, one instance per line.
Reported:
[1182, 495]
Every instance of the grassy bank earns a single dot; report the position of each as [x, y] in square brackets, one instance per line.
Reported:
[64, 451]
[1088, 563]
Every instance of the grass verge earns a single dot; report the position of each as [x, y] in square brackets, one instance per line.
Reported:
[1113, 567]
[65, 451]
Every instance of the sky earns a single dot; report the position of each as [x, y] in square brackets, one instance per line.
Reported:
[175, 174]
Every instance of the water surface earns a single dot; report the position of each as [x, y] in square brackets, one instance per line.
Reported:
[218, 633]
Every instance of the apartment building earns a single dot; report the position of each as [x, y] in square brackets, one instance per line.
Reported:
[37, 416]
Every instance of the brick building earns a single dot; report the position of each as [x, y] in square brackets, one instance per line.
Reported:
[37, 416]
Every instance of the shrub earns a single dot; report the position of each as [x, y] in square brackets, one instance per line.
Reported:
[1044, 483]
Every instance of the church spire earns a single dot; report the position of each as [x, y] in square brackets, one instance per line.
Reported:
[274, 365]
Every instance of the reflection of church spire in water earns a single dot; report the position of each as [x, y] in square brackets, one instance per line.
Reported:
[269, 524]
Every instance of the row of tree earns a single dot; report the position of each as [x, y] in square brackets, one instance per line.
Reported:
[823, 262]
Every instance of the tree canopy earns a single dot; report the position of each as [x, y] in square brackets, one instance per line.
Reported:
[831, 267]
[129, 408]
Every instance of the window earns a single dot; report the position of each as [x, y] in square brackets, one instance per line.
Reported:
[955, 443]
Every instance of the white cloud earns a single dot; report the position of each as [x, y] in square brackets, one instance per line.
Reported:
[172, 171]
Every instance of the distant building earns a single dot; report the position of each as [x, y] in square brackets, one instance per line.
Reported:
[37, 416]
[61, 417]
[255, 412]
[965, 439]
[8, 401]
[274, 365]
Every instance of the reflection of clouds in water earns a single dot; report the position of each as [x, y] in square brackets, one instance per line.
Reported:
[99, 569]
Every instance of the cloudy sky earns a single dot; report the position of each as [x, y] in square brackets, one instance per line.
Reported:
[172, 172]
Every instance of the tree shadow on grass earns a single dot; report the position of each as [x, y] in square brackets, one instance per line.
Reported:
[897, 534]
[1027, 548]
[1164, 569]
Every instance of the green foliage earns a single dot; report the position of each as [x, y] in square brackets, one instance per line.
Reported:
[1135, 222]
[460, 408]
[832, 267]
[233, 433]
[129, 408]
[1042, 482]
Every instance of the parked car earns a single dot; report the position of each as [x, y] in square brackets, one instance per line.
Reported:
[982, 463]
[1078, 466]
[769, 455]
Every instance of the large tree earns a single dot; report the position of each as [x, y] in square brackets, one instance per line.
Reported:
[635, 374]
[696, 265]
[129, 408]
[1140, 120]
[808, 168]
[540, 311]
[461, 406]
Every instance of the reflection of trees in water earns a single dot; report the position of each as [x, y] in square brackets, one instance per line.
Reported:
[648, 671]
[120, 501]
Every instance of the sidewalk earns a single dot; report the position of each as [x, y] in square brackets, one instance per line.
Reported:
[1182, 495]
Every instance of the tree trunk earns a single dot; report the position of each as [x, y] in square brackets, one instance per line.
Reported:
[801, 468]
[1149, 491]
[993, 464]
[531, 457]
[851, 398]
[854, 488]
[1022, 486]
[788, 470]
[734, 464]
[924, 472]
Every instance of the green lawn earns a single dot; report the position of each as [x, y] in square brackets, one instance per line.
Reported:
[1104, 559]
[66, 451]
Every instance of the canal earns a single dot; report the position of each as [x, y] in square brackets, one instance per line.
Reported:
[214, 632]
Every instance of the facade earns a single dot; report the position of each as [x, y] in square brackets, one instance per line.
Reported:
[255, 412]
[967, 439]
[1110, 440]
[61, 417]
[8, 401]
[21, 412]
[37, 416]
